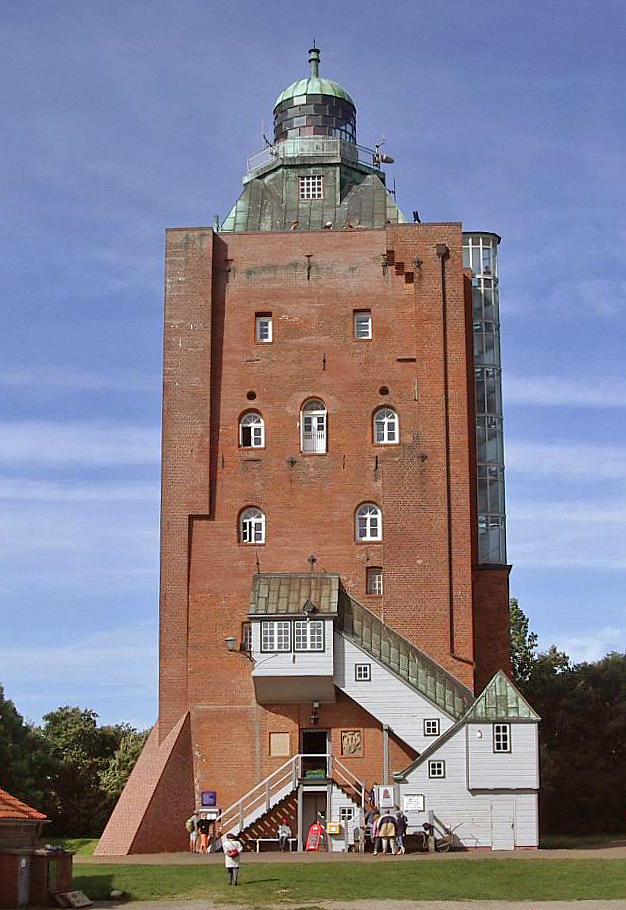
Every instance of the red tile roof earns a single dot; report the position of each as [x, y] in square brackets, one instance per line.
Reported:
[10, 807]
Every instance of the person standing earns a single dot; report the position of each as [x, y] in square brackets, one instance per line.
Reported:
[191, 826]
[284, 833]
[233, 848]
[204, 828]
[387, 831]
[401, 826]
[374, 833]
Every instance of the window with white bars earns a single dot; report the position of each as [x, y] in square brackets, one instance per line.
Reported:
[252, 526]
[246, 636]
[311, 187]
[263, 327]
[363, 672]
[385, 426]
[431, 726]
[501, 737]
[374, 579]
[436, 769]
[368, 522]
[363, 324]
[346, 813]
[251, 431]
[313, 427]
[276, 635]
[309, 635]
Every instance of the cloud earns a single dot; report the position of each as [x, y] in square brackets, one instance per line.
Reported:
[567, 460]
[550, 391]
[69, 378]
[24, 489]
[114, 672]
[95, 443]
[593, 645]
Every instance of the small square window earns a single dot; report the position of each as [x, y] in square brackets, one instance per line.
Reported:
[311, 187]
[374, 580]
[501, 737]
[263, 327]
[363, 672]
[362, 324]
[346, 813]
[431, 727]
[436, 769]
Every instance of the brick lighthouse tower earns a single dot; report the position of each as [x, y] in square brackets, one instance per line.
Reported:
[334, 587]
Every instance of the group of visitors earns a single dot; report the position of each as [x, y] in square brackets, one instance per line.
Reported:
[387, 830]
[203, 838]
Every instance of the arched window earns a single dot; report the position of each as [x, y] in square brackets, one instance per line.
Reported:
[369, 524]
[313, 426]
[251, 431]
[386, 426]
[252, 526]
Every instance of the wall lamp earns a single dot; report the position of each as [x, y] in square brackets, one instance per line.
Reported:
[232, 646]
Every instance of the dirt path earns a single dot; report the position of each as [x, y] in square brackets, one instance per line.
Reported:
[615, 850]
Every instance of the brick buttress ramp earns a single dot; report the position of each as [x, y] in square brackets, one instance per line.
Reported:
[150, 814]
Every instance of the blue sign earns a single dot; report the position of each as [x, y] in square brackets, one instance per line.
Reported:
[209, 799]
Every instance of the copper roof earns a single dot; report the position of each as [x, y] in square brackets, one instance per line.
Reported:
[277, 593]
[10, 807]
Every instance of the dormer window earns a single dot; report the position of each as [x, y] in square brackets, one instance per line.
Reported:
[311, 187]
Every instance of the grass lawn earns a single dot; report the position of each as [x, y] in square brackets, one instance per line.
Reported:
[82, 846]
[268, 884]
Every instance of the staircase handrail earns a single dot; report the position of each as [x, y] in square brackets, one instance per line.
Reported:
[345, 773]
[261, 790]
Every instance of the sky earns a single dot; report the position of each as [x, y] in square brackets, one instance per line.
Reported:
[123, 118]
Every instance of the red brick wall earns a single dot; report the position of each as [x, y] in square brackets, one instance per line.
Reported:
[491, 622]
[9, 870]
[311, 282]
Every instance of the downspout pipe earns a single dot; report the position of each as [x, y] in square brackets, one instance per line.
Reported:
[443, 254]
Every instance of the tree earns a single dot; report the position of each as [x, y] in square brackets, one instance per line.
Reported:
[25, 763]
[523, 644]
[77, 802]
[113, 778]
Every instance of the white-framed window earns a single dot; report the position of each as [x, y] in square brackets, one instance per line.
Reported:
[309, 635]
[346, 813]
[311, 187]
[276, 635]
[362, 320]
[374, 580]
[436, 768]
[386, 426]
[252, 526]
[263, 327]
[246, 636]
[363, 672]
[369, 525]
[313, 427]
[251, 431]
[431, 726]
[502, 737]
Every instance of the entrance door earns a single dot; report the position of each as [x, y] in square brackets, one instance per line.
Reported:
[503, 825]
[314, 745]
[313, 805]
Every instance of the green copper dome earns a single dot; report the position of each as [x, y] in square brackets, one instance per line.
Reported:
[313, 85]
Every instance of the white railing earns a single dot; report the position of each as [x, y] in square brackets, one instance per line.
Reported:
[280, 783]
[314, 146]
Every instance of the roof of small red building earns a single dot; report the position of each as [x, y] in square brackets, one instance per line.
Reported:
[10, 807]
